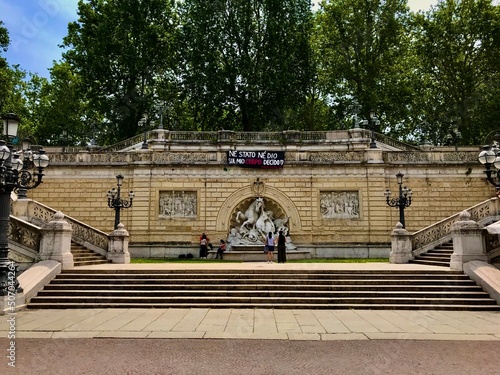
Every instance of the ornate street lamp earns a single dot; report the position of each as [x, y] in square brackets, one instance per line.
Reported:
[115, 202]
[142, 124]
[18, 177]
[403, 201]
[374, 123]
[26, 161]
[490, 156]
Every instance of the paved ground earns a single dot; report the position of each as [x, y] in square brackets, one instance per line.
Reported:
[252, 357]
[291, 325]
[251, 341]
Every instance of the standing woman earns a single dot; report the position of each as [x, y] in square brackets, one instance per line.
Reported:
[281, 247]
[270, 247]
[203, 246]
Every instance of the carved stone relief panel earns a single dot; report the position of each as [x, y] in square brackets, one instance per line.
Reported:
[339, 204]
[178, 204]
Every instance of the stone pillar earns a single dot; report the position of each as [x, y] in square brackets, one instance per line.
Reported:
[468, 243]
[401, 251]
[118, 245]
[160, 139]
[56, 241]
[21, 208]
[374, 155]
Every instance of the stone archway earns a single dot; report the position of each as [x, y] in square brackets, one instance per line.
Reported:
[275, 201]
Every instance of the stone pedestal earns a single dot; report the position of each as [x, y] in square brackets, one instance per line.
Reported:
[118, 245]
[401, 251]
[160, 139]
[374, 155]
[56, 241]
[468, 243]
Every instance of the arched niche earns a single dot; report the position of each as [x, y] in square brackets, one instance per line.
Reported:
[278, 202]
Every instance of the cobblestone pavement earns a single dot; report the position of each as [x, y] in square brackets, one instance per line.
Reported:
[251, 357]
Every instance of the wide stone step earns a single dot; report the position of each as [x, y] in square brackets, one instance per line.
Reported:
[296, 282]
[240, 305]
[260, 271]
[222, 277]
[445, 288]
[434, 289]
[214, 300]
[259, 293]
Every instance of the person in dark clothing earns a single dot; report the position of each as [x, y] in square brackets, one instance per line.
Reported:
[281, 247]
[221, 249]
[203, 246]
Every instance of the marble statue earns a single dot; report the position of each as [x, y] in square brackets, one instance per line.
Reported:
[253, 225]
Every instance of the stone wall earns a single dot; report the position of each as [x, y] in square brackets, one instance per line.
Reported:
[197, 178]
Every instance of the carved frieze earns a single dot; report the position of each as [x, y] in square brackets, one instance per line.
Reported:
[407, 157]
[322, 157]
[178, 204]
[339, 204]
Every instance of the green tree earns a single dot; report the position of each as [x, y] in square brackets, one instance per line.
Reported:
[246, 62]
[457, 43]
[362, 47]
[124, 54]
[11, 80]
[58, 114]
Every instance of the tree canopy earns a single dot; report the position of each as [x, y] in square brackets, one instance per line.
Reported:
[245, 62]
[256, 65]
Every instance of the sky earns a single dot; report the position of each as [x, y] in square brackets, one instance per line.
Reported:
[37, 27]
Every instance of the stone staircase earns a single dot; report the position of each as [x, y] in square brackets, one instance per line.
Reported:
[439, 256]
[85, 257]
[279, 289]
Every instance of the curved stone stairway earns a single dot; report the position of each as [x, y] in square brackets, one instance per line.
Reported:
[85, 257]
[291, 289]
[439, 256]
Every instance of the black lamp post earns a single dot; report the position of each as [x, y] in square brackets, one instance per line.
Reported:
[403, 201]
[490, 156]
[374, 123]
[14, 176]
[142, 123]
[115, 201]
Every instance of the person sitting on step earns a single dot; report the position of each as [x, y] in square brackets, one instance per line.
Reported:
[221, 249]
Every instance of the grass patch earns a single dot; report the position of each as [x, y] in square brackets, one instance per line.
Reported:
[312, 260]
[340, 260]
[179, 260]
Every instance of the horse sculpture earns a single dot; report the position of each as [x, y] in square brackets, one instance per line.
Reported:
[255, 223]
[264, 223]
[251, 215]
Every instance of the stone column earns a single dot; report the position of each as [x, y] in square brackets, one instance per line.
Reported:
[468, 243]
[56, 241]
[118, 245]
[401, 251]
